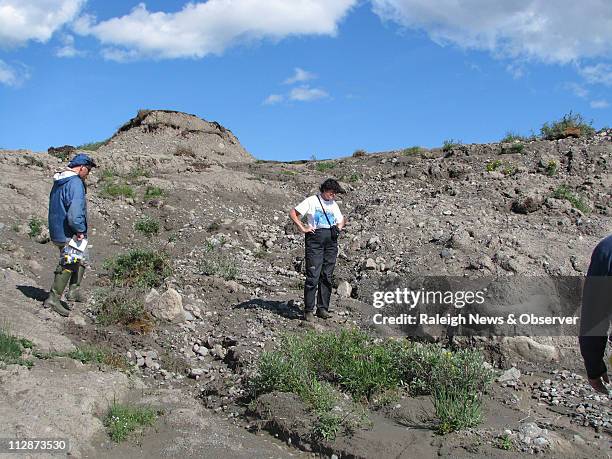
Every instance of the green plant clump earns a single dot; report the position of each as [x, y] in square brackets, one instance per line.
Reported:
[36, 226]
[513, 137]
[114, 190]
[119, 306]
[411, 151]
[325, 166]
[493, 165]
[551, 168]
[450, 144]
[563, 192]
[219, 265]
[92, 146]
[142, 268]
[314, 365]
[108, 174]
[100, 355]
[32, 161]
[147, 226]
[90, 354]
[513, 148]
[354, 177]
[154, 192]
[12, 347]
[509, 169]
[122, 419]
[505, 443]
[570, 125]
[137, 173]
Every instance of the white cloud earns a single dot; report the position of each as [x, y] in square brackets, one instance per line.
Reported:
[25, 20]
[601, 103]
[11, 76]
[516, 70]
[119, 55]
[577, 89]
[560, 31]
[206, 28]
[307, 94]
[68, 49]
[299, 76]
[600, 73]
[273, 99]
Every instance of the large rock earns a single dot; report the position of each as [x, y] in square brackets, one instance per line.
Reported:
[169, 306]
[527, 204]
[344, 289]
[531, 350]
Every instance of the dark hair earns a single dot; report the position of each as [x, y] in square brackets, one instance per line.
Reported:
[331, 185]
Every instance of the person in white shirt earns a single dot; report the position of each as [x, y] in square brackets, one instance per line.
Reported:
[324, 223]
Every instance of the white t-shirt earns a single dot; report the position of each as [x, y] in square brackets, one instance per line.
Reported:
[316, 218]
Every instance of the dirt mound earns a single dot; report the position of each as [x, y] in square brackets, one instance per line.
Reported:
[169, 139]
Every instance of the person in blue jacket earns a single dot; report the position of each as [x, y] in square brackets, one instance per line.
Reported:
[68, 220]
[596, 314]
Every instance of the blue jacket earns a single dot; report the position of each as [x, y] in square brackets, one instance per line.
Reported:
[67, 207]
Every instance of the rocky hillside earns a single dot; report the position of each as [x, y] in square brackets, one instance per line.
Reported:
[230, 287]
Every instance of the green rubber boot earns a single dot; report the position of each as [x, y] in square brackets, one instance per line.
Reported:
[62, 277]
[74, 290]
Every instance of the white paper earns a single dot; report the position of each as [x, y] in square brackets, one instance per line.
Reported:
[79, 245]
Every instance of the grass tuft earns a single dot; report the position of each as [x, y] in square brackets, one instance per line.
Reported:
[551, 168]
[115, 190]
[90, 354]
[316, 365]
[570, 125]
[325, 166]
[119, 306]
[563, 192]
[412, 151]
[100, 355]
[147, 226]
[511, 137]
[108, 174]
[36, 226]
[138, 172]
[154, 192]
[450, 144]
[513, 148]
[493, 165]
[12, 347]
[218, 264]
[141, 268]
[92, 146]
[123, 419]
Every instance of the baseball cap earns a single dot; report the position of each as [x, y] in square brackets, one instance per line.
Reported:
[82, 160]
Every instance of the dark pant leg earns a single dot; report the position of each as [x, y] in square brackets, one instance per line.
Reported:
[314, 263]
[330, 253]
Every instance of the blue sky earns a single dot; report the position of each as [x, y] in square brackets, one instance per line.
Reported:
[296, 78]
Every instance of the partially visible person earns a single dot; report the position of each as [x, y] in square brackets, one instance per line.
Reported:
[596, 314]
[324, 223]
[68, 220]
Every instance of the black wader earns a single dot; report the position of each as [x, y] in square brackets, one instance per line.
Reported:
[321, 253]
